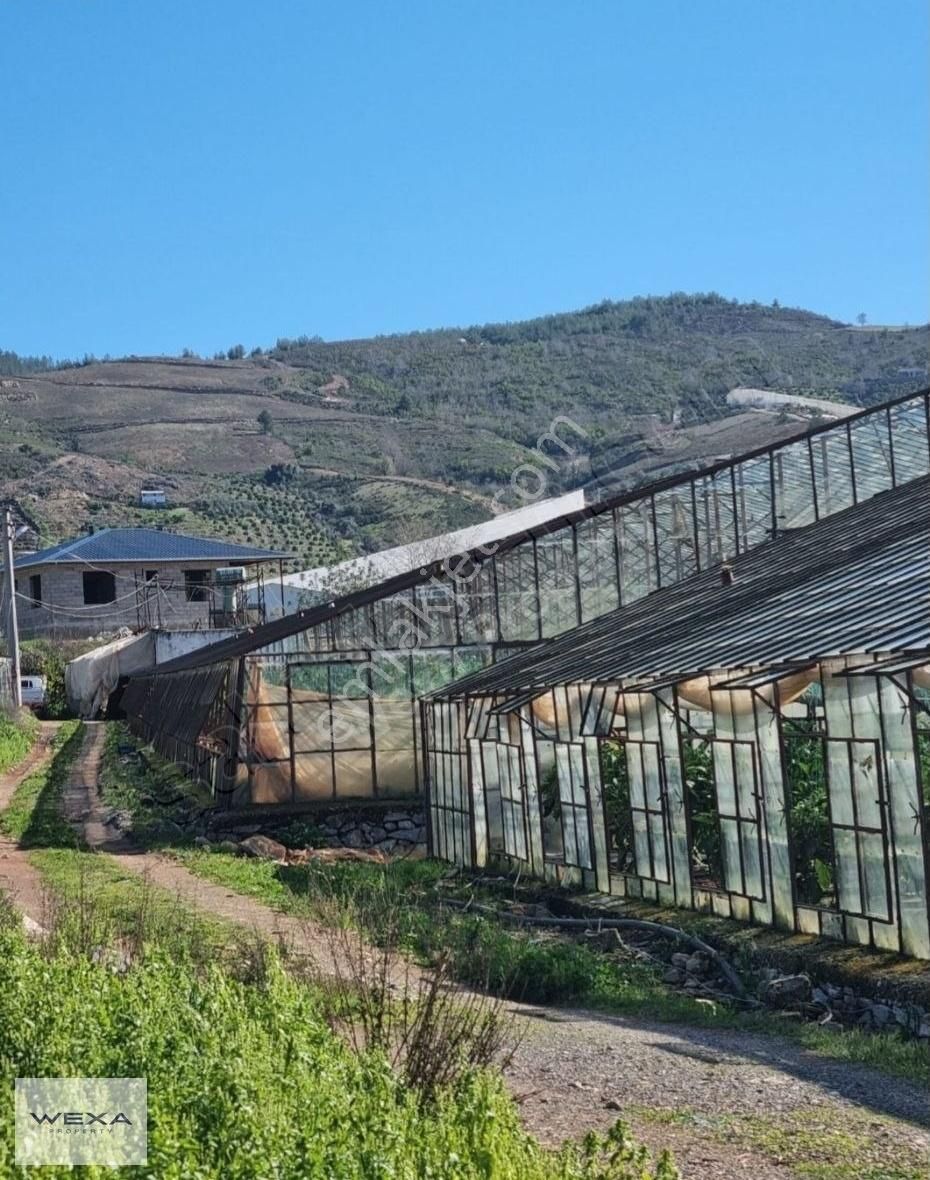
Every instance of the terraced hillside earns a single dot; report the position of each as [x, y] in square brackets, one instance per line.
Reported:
[330, 448]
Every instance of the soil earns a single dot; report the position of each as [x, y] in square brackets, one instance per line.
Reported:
[576, 1070]
[18, 879]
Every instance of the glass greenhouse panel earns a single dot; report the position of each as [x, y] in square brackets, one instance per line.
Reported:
[573, 805]
[675, 536]
[477, 606]
[794, 487]
[558, 586]
[513, 800]
[597, 566]
[754, 501]
[637, 545]
[834, 472]
[870, 443]
[435, 614]
[910, 441]
[518, 594]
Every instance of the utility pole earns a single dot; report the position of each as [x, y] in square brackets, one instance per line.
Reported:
[12, 624]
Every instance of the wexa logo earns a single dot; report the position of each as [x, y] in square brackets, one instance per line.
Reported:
[77, 1118]
[81, 1121]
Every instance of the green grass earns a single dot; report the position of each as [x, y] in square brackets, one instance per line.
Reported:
[17, 734]
[151, 790]
[534, 968]
[107, 903]
[401, 899]
[245, 1076]
[246, 1080]
[33, 817]
[815, 1143]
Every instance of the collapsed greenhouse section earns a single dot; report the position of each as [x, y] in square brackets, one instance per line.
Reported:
[754, 742]
[324, 705]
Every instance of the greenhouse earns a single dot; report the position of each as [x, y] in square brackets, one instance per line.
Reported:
[324, 704]
[753, 742]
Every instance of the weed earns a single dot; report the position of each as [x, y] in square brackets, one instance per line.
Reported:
[33, 816]
[17, 733]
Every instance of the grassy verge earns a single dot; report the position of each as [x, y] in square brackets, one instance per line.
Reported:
[103, 901]
[33, 816]
[523, 966]
[246, 1077]
[154, 792]
[402, 897]
[815, 1144]
[17, 734]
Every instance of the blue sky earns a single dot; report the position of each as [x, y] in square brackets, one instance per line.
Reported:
[200, 174]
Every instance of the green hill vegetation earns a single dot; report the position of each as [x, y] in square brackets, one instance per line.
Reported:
[327, 449]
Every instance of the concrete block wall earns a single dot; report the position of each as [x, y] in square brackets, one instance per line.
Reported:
[63, 611]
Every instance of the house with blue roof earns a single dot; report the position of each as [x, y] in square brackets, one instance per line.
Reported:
[137, 578]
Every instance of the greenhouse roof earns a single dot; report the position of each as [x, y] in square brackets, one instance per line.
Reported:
[255, 638]
[858, 581]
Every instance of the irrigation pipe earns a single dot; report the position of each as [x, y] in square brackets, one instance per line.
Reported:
[597, 924]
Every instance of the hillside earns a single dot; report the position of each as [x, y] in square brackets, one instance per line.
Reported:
[374, 442]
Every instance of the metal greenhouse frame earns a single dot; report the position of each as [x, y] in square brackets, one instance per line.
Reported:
[700, 747]
[323, 704]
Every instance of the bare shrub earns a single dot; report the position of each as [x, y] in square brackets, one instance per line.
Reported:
[430, 1030]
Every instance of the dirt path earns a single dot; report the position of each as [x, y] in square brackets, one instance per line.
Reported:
[18, 879]
[431, 485]
[579, 1070]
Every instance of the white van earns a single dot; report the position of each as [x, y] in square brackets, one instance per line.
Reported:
[33, 691]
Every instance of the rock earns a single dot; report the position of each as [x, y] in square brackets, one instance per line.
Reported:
[674, 975]
[375, 835]
[613, 1104]
[117, 958]
[264, 848]
[202, 842]
[680, 960]
[327, 855]
[881, 1014]
[33, 929]
[923, 1030]
[166, 830]
[787, 991]
[246, 829]
[696, 965]
[820, 997]
[229, 846]
[354, 839]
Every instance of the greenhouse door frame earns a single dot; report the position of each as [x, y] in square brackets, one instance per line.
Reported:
[648, 813]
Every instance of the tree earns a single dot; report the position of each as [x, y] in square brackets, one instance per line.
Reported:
[861, 318]
[281, 473]
[236, 353]
[265, 421]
